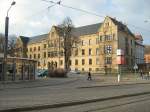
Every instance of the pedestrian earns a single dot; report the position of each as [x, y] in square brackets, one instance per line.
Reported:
[141, 74]
[147, 75]
[89, 76]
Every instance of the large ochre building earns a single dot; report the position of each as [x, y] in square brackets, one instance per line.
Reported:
[97, 51]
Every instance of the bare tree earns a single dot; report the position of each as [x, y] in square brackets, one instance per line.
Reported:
[1, 42]
[11, 44]
[69, 40]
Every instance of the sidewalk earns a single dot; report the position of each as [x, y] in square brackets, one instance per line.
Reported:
[97, 80]
[100, 81]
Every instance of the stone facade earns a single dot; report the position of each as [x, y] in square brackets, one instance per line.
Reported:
[96, 51]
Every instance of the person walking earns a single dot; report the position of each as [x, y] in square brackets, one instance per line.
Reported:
[89, 76]
[141, 74]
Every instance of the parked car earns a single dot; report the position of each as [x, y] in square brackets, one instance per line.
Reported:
[74, 72]
[43, 73]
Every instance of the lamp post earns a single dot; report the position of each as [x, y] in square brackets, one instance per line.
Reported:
[6, 42]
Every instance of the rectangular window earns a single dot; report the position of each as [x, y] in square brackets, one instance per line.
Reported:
[126, 46]
[97, 51]
[49, 54]
[97, 61]
[114, 36]
[97, 40]
[108, 37]
[76, 62]
[55, 53]
[70, 62]
[38, 55]
[82, 43]
[30, 56]
[44, 45]
[61, 44]
[61, 53]
[38, 48]
[44, 63]
[108, 60]
[31, 49]
[83, 61]
[34, 56]
[76, 69]
[44, 54]
[131, 52]
[34, 48]
[108, 49]
[90, 51]
[61, 62]
[76, 52]
[90, 61]
[83, 52]
[38, 63]
[90, 69]
[127, 61]
[97, 69]
[100, 38]
[83, 69]
[89, 41]
[107, 24]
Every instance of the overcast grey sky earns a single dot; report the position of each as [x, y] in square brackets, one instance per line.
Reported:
[32, 17]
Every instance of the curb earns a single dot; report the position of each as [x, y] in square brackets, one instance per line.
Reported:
[17, 82]
[96, 86]
[42, 85]
[73, 103]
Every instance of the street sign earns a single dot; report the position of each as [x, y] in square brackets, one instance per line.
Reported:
[120, 52]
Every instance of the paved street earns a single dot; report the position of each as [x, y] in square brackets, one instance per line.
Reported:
[72, 89]
[131, 104]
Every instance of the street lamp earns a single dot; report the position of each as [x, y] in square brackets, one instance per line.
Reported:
[6, 41]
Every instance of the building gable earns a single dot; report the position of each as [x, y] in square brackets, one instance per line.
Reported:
[107, 25]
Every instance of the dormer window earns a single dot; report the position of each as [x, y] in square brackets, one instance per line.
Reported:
[107, 24]
[52, 34]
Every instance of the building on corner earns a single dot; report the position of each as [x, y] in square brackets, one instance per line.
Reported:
[96, 51]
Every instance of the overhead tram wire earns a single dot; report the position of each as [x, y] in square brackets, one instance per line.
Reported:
[39, 12]
[91, 13]
[137, 27]
[81, 10]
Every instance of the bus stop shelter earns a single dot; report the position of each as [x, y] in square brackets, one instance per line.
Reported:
[18, 69]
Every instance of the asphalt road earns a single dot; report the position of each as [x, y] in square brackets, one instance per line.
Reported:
[139, 103]
[64, 92]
